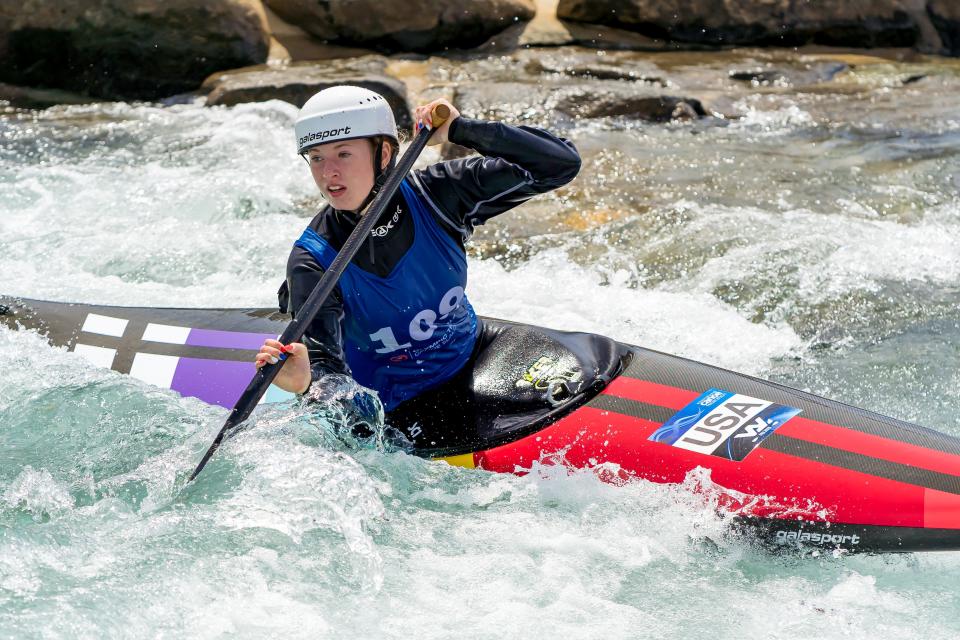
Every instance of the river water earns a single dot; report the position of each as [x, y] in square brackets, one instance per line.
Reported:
[808, 233]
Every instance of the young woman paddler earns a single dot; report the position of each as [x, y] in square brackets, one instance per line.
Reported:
[399, 320]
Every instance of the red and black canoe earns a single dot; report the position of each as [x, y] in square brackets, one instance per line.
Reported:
[797, 469]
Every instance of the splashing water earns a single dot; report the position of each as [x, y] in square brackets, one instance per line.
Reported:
[812, 241]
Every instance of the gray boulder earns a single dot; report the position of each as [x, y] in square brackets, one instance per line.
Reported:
[127, 49]
[594, 72]
[30, 98]
[406, 25]
[295, 83]
[852, 23]
[809, 74]
[945, 15]
[613, 104]
[552, 105]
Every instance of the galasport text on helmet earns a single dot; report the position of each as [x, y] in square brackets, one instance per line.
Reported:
[343, 113]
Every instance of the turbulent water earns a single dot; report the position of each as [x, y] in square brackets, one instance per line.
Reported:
[812, 236]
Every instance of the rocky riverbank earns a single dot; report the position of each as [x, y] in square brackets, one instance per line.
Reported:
[230, 51]
[930, 26]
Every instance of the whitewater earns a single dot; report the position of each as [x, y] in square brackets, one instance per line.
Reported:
[814, 240]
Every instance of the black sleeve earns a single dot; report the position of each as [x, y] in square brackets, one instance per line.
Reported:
[324, 335]
[517, 163]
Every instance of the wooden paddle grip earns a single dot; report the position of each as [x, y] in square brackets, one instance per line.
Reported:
[439, 115]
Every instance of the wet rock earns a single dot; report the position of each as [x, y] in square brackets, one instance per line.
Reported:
[854, 23]
[825, 72]
[515, 102]
[127, 49]
[290, 43]
[945, 15]
[612, 38]
[295, 84]
[541, 105]
[767, 77]
[649, 108]
[594, 72]
[408, 25]
[723, 106]
[814, 73]
[29, 98]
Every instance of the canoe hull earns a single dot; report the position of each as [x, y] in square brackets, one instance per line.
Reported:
[794, 469]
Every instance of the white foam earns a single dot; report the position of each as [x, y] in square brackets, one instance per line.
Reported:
[141, 205]
[551, 290]
[38, 492]
[207, 216]
[297, 489]
[831, 254]
[767, 115]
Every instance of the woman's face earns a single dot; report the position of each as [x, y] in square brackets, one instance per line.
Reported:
[343, 171]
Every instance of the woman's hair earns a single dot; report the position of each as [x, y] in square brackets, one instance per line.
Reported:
[394, 147]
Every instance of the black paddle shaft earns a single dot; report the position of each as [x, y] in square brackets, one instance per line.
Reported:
[295, 330]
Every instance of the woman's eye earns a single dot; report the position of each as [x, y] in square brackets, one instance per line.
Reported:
[344, 154]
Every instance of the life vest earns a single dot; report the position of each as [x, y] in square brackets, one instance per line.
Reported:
[414, 328]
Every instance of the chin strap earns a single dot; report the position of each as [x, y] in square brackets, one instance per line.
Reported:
[379, 179]
[379, 175]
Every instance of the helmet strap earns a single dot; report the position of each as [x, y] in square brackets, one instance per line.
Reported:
[380, 175]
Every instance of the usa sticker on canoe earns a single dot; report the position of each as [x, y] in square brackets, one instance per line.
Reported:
[724, 424]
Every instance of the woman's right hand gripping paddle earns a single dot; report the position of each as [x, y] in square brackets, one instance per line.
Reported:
[294, 375]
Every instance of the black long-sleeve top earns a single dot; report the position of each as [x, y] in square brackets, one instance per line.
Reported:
[516, 163]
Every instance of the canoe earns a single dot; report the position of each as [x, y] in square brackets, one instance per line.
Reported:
[792, 469]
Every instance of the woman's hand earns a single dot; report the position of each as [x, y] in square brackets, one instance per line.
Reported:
[294, 375]
[422, 117]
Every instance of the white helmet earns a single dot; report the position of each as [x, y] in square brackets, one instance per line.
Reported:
[343, 113]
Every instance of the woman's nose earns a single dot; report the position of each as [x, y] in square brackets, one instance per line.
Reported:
[330, 170]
